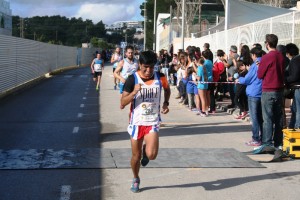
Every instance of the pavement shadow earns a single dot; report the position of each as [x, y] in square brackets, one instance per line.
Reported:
[228, 183]
[179, 130]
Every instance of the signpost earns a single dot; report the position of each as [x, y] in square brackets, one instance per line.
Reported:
[123, 46]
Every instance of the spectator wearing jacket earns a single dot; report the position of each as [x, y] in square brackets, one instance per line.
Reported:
[271, 71]
[293, 81]
[254, 91]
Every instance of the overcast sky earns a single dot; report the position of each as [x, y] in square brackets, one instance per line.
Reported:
[109, 11]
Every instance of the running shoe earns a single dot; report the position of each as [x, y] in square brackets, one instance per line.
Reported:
[202, 114]
[135, 186]
[253, 143]
[145, 159]
[97, 88]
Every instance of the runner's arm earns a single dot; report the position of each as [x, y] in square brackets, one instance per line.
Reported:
[167, 94]
[92, 66]
[130, 90]
[118, 70]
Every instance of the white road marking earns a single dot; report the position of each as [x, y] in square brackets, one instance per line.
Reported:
[75, 129]
[79, 115]
[84, 98]
[65, 192]
[81, 105]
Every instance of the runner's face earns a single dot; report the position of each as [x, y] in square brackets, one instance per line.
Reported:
[118, 50]
[147, 71]
[129, 54]
[98, 55]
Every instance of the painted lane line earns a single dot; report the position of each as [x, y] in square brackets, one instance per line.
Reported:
[81, 105]
[79, 115]
[84, 98]
[75, 129]
[65, 192]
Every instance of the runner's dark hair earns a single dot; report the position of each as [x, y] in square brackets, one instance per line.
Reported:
[148, 58]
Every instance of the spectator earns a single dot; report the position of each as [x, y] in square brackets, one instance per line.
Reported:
[253, 91]
[210, 54]
[209, 68]
[181, 75]
[166, 59]
[218, 72]
[202, 76]
[240, 95]
[231, 69]
[293, 80]
[271, 71]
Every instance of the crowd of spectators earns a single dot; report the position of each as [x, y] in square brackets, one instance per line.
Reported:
[257, 83]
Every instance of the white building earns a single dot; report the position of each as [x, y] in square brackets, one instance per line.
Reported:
[124, 24]
[5, 18]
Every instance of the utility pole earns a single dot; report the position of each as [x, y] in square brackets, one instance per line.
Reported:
[145, 25]
[182, 24]
[154, 28]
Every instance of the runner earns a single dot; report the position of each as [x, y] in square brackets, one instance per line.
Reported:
[143, 91]
[97, 66]
[115, 59]
[126, 67]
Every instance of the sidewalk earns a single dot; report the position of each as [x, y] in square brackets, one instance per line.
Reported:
[183, 129]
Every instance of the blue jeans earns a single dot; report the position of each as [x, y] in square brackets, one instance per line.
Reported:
[295, 118]
[254, 104]
[272, 110]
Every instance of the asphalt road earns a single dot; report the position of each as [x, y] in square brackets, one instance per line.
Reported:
[61, 112]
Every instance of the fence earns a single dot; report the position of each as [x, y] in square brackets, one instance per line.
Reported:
[286, 27]
[23, 60]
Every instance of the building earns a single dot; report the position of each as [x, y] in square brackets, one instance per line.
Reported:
[5, 18]
[123, 25]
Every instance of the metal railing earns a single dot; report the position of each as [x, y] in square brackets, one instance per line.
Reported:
[23, 60]
[286, 27]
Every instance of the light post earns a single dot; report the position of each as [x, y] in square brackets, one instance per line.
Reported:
[182, 24]
[154, 28]
[145, 25]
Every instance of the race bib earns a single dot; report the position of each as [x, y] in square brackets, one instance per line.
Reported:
[97, 67]
[149, 112]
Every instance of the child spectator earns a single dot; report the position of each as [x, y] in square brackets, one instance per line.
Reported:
[240, 95]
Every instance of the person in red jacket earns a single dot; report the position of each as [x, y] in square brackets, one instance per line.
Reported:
[271, 71]
[218, 70]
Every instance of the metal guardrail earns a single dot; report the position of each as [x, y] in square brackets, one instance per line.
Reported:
[23, 60]
[286, 27]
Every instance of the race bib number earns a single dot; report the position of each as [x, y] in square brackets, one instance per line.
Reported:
[149, 112]
[97, 67]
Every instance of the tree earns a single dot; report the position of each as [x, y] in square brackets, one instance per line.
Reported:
[192, 8]
[162, 6]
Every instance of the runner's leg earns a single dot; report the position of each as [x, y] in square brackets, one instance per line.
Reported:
[152, 145]
[136, 148]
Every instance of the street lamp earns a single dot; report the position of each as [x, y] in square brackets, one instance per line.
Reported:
[145, 25]
[154, 28]
[182, 23]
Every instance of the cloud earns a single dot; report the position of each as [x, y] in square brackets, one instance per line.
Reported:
[109, 11]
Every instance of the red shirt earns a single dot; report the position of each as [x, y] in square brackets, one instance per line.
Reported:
[271, 71]
[217, 70]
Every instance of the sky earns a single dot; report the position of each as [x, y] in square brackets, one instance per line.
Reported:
[109, 11]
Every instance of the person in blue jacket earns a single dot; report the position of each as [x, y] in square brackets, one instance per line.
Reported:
[254, 91]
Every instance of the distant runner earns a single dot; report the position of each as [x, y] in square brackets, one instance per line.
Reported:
[97, 66]
[126, 67]
[115, 59]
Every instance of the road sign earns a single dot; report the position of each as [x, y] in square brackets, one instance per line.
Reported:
[123, 44]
